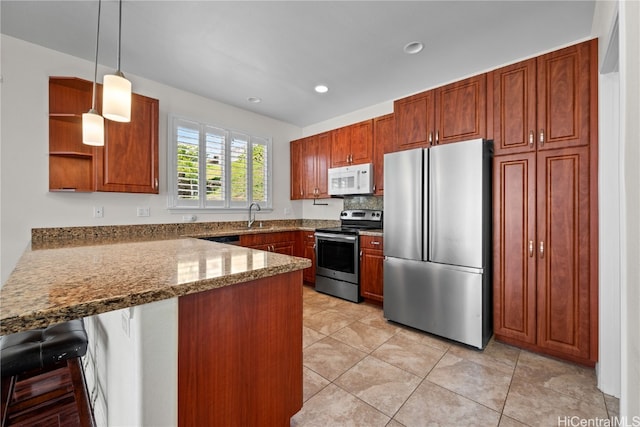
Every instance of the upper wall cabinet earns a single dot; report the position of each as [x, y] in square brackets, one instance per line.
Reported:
[352, 145]
[128, 162]
[384, 132]
[309, 164]
[451, 113]
[543, 103]
[70, 161]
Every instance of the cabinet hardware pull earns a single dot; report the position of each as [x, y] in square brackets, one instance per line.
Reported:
[374, 188]
[531, 138]
[314, 246]
[375, 243]
[430, 138]
[156, 183]
[541, 137]
[437, 137]
[530, 248]
[541, 249]
[360, 254]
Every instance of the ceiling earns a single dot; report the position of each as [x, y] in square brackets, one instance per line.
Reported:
[278, 51]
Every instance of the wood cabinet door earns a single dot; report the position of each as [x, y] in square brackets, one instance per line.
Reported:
[563, 251]
[514, 248]
[414, 121]
[461, 110]
[383, 142]
[361, 142]
[309, 161]
[323, 159]
[514, 108]
[128, 162]
[371, 269]
[309, 252]
[340, 147]
[297, 176]
[564, 96]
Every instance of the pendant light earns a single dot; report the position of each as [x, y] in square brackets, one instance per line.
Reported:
[116, 90]
[92, 122]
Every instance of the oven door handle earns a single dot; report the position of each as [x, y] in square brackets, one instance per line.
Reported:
[336, 237]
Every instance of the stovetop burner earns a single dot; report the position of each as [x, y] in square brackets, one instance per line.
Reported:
[354, 220]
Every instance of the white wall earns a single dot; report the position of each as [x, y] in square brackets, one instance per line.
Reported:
[608, 367]
[630, 135]
[620, 204]
[25, 201]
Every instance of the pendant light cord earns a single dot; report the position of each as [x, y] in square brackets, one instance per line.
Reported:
[95, 70]
[118, 72]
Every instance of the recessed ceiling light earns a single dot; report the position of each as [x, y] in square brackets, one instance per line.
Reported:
[413, 48]
[254, 100]
[321, 89]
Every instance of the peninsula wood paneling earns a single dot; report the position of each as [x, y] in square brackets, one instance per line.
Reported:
[240, 358]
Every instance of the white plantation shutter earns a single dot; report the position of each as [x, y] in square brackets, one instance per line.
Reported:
[239, 152]
[188, 170]
[215, 149]
[216, 168]
[260, 171]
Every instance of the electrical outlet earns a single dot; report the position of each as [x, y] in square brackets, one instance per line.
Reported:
[98, 212]
[189, 218]
[287, 211]
[143, 211]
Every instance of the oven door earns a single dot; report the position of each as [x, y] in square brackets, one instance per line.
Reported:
[337, 256]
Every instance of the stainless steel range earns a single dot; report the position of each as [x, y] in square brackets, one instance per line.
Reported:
[338, 253]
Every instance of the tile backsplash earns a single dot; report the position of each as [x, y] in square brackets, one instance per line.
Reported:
[363, 202]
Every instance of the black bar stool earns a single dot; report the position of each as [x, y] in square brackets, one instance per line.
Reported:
[42, 376]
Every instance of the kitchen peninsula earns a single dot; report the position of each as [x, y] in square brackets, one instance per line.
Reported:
[229, 333]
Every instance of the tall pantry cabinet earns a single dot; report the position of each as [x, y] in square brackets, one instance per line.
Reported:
[545, 203]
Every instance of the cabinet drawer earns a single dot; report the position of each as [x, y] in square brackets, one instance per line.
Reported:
[371, 242]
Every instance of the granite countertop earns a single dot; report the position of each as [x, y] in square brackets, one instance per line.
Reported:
[74, 281]
[376, 232]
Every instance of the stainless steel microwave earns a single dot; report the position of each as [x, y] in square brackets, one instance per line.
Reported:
[348, 180]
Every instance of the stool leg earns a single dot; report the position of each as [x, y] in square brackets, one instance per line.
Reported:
[80, 391]
[8, 383]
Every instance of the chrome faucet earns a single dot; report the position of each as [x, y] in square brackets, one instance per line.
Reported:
[251, 221]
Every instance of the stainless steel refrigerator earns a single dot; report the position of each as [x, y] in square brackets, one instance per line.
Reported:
[437, 240]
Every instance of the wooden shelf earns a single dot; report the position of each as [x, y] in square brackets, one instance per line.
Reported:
[71, 154]
[67, 117]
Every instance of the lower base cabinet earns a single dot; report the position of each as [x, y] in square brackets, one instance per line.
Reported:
[309, 252]
[371, 277]
[281, 242]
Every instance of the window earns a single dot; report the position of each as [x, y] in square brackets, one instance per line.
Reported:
[216, 168]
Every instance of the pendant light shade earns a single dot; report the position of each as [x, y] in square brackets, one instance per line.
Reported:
[92, 128]
[92, 122]
[116, 98]
[116, 90]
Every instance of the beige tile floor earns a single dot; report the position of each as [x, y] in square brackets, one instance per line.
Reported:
[360, 370]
